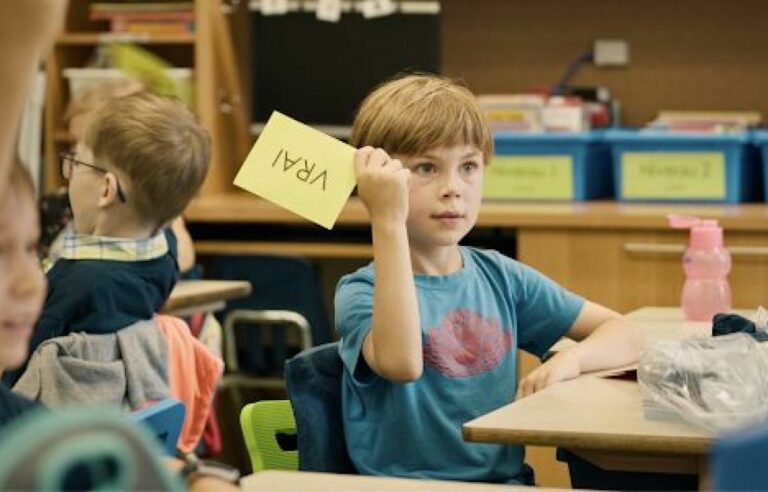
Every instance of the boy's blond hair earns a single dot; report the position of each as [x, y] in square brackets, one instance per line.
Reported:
[156, 144]
[414, 113]
[96, 96]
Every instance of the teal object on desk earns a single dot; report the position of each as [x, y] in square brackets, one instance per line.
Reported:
[81, 448]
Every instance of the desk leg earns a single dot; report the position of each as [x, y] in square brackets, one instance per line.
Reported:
[704, 478]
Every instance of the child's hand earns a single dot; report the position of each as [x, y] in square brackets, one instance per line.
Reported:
[382, 183]
[560, 367]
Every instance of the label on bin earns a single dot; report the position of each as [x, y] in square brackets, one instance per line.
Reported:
[673, 175]
[541, 177]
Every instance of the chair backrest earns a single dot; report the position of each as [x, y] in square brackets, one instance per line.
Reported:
[738, 460]
[78, 448]
[163, 419]
[269, 431]
[279, 283]
[313, 380]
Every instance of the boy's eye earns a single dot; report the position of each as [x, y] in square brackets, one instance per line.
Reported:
[470, 167]
[424, 168]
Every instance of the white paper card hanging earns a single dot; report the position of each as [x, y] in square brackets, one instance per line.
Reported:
[378, 8]
[328, 10]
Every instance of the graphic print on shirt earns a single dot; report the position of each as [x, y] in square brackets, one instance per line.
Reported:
[466, 344]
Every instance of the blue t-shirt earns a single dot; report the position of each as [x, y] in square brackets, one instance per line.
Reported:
[472, 322]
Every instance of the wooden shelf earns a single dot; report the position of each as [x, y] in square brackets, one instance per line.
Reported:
[241, 207]
[209, 51]
[63, 136]
[96, 38]
[310, 249]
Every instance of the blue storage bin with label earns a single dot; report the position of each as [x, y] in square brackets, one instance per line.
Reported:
[652, 166]
[760, 138]
[549, 167]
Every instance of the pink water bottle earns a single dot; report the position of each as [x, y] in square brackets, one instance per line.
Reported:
[706, 264]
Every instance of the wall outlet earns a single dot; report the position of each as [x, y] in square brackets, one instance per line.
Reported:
[611, 53]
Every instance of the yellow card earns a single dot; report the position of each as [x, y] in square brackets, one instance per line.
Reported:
[673, 175]
[301, 169]
[531, 177]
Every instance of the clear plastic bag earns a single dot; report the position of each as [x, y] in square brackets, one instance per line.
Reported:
[719, 383]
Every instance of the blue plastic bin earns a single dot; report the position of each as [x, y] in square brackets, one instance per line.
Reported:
[726, 165]
[581, 163]
[760, 139]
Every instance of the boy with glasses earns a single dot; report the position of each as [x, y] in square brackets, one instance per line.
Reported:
[141, 161]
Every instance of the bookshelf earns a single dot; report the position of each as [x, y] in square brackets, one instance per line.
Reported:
[210, 51]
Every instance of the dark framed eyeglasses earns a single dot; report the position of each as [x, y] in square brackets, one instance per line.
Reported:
[67, 162]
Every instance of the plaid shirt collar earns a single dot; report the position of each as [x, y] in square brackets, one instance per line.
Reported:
[87, 247]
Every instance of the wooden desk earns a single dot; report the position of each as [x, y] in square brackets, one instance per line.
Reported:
[621, 255]
[203, 295]
[602, 419]
[288, 481]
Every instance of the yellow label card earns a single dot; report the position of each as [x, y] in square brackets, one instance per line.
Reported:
[535, 177]
[673, 175]
[301, 169]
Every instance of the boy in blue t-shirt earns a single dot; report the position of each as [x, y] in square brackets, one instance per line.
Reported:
[142, 159]
[429, 330]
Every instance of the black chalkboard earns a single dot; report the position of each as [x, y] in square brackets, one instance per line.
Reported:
[319, 72]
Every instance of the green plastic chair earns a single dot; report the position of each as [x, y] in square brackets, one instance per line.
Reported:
[261, 423]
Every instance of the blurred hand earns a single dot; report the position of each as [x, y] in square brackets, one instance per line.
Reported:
[562, 366]
[382, 184]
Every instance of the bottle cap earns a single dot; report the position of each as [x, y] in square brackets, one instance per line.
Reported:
[705, 234]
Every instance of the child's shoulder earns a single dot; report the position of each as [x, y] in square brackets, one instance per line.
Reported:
[363, 274]
[79, 279]
[494, 262]
[488, 256]
[82, 272]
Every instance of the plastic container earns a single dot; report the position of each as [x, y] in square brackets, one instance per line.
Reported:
[706, 264]
[549, 167]
[685, 167]
[760, 139]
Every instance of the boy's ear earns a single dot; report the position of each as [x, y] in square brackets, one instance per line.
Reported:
[108, 194]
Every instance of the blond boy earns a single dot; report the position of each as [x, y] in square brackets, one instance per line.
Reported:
[142, 159]
[77, 116]
[430, 330]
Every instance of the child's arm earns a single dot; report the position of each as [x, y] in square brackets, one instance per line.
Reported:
[607, 340]
[27, 30]
[184, 245]
[392, 347]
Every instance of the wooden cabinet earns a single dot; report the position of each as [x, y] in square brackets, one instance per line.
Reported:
[210, 51]
[627, 269]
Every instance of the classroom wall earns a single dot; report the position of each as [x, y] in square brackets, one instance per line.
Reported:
[684, 54]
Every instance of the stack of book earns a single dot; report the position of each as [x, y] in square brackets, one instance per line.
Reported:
[513, 112]
[146, 17]
[705, 121]
[535, 113]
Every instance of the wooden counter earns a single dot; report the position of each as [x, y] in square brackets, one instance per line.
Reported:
[622, 255]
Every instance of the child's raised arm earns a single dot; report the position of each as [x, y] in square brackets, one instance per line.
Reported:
[392, 347]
